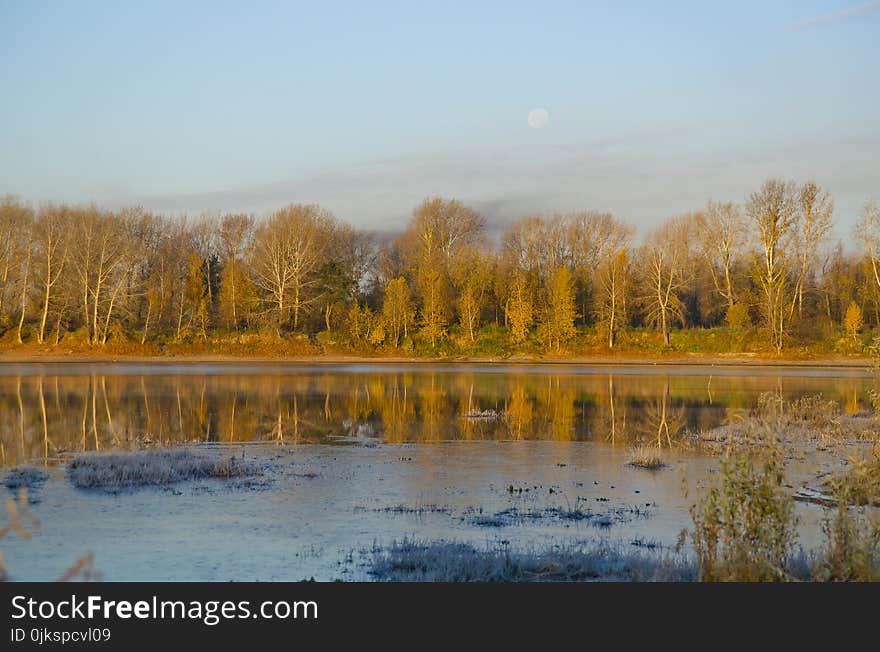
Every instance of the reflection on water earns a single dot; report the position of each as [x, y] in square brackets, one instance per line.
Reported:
[49, 409]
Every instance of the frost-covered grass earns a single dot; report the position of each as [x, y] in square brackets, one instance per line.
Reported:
[27, 476]
[113, 471]
[450, 561]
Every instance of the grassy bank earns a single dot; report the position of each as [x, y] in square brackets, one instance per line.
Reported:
[688, 346]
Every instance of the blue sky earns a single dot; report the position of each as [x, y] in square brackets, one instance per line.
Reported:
[367, 107]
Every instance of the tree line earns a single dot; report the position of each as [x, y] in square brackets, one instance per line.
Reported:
[93, 276]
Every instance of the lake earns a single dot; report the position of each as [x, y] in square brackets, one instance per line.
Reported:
[366, 453]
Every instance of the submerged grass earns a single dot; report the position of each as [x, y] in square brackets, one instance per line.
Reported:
[450, 561]
[114, 471]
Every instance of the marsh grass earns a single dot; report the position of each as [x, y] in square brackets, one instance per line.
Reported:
[115, 471]
[809, 419]
[450, 561]
[860, 484]
[647, 457]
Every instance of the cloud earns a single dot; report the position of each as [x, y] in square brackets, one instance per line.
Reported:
[847, 12]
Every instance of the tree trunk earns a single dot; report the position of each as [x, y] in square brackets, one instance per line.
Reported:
[24, 286]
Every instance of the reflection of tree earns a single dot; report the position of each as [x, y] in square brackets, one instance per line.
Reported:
[44, 421]
[433, 400]
[397, 413]
[520, 412]
[560, 410]
[662, 419]
[45, 413]
[616, 413]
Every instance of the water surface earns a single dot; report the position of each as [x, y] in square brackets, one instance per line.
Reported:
[364, 454]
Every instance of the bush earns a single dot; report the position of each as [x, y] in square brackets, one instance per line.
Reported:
[852, 545]
[745, 527]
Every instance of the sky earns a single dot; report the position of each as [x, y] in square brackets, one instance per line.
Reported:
[369, 107]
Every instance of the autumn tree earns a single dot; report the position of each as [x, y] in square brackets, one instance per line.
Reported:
[438, 231]
[519, 308]
[592, 238]
[164, 276]
[360, 323]
[557, 325]
[852, 320]
[397, 312]
[236, 294]
[192, 315]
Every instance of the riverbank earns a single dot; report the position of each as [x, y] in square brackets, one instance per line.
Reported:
[615, 359]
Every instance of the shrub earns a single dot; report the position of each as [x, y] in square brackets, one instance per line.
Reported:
[745, 527]
[852, 544]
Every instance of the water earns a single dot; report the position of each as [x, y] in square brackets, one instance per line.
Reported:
[364, 454]
[48, 409]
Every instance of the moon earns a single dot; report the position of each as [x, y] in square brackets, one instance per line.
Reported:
[538, 118]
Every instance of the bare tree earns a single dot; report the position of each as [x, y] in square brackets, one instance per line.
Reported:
[288, 251]
[868, 232]
[15, 221]
[815, 207]
[773, 213]
[666, 273]
[51, 239]
[721, 235]
[98, 255]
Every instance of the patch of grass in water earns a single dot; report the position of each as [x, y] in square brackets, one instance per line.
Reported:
[414, 509]
[514, 516]
[647, 457]
[30, 477]
[115, 471]
[450, 561]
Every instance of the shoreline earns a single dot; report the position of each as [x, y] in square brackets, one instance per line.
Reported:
[618, 360]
